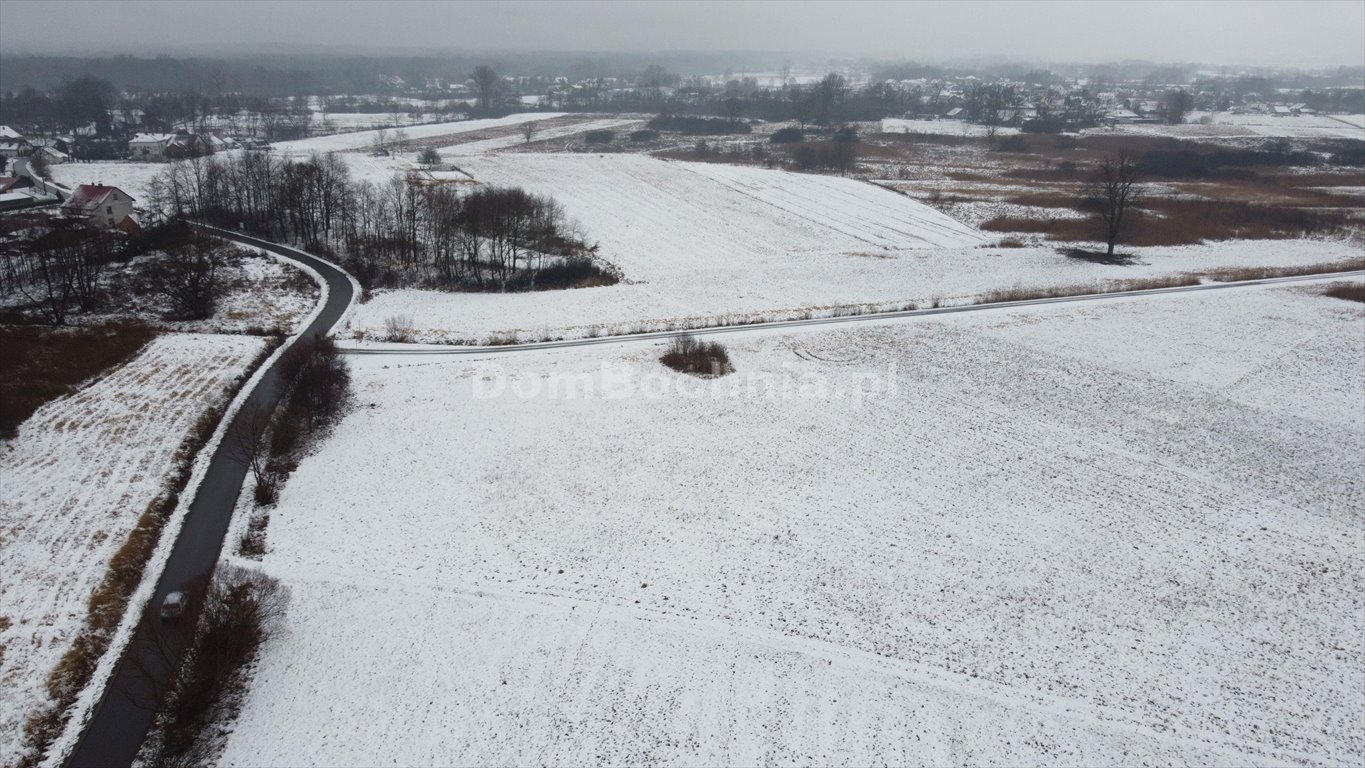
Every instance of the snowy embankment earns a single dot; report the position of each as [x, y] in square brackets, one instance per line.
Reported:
[550, 133]
[366, 139]
[702, 240]
[72, 486]
[1117, 533]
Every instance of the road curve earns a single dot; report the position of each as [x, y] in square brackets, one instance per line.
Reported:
[119, 722]
[870, 317]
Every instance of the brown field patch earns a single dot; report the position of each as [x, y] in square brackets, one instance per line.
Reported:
[43, 364]
[1163, 221]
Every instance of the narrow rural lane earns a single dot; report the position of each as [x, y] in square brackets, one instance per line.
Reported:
[121, 719]
[432, 349]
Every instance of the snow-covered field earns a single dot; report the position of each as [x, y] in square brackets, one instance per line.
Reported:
[72, 486]
[942, 127]
[546, 134]
[1226, 125]
[133, 177]
[365, 139]
[1121, 533]
[705, 239]
[127, 176]
[1222, 125]
[352, 121]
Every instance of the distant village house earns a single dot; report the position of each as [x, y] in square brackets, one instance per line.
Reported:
[101, 206]
[162, 146]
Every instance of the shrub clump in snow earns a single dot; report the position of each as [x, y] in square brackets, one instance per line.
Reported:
[707, 359]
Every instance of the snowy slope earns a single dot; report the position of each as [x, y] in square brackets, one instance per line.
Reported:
[658, 212]
[1119, 533]
[701, 240]
[72, 486]
[364, 139]
[515, 139]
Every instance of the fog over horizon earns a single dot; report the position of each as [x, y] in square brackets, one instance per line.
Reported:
[1310, 34]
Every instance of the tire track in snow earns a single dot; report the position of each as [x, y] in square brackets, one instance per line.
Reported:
[1083, 712]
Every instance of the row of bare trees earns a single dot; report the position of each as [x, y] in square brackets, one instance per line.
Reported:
[61, 273]
[406, 231]
[76, 270]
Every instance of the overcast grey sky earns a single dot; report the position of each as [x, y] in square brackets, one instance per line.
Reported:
[1270, 32]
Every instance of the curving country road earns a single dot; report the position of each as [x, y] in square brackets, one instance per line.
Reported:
[120, 721]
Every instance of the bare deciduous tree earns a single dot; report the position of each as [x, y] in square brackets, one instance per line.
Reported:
[248, 444]
[1112, 191]
[51, 284]
[1178, 103]
[37, 163]
[486, 81]
[528, 130]
[188, 279]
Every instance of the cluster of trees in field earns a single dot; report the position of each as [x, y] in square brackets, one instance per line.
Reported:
[68, 271]
[810, 149]
[61, 273]
[403, 232]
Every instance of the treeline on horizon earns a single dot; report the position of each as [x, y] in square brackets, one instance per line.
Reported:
[320, 74]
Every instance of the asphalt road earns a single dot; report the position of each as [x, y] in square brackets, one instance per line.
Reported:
[121, 719]
[826, 321]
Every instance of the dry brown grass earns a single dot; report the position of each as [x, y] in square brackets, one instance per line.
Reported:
[43, 364]
[1059, 291]
[1227, 275]
[1246, 200]
[1163, 221]
[1347, 291]
[1347, 179]
[1234, 274]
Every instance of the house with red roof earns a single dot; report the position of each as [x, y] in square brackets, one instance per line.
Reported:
[99, 205]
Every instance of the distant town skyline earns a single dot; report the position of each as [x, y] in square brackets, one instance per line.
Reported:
[1317, 33]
